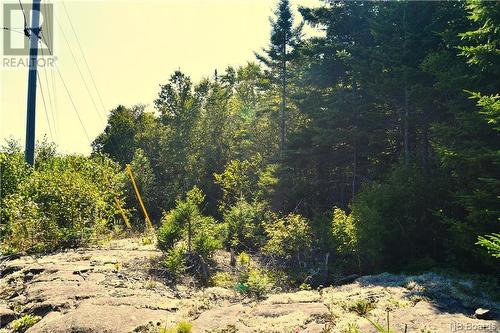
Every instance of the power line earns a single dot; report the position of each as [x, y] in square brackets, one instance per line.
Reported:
[114, 147]
[49, 97]
[84, 57]
[80, 72]
[73, 103]
[14, 30]
[26, 30]
[45, 106]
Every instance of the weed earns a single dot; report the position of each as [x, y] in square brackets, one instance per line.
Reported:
[361, 307]
[351, 328]
[305, 286]
[22, 324]
[184, 327]
[222, 279]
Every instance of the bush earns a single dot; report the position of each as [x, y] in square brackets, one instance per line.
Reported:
[24, 323]
[222, 279]
[391, 223]
[13, 169]
[251, 279]
[65, 202]
[258, 283]
[248, 180]
[185, 224]
[175, 260]
[244, 223]
[344, 234]
[289, 238]
[169, 231]
[361, 307]
[206, 236]
[184, 327]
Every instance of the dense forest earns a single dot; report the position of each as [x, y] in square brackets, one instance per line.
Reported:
[373, 146]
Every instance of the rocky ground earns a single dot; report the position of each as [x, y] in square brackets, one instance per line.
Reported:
[112, 288]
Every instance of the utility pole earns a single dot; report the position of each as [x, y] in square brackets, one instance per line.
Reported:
[31, 108]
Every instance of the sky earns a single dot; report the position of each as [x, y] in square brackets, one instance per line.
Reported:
[131, 47]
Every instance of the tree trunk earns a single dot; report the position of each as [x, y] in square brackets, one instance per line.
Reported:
[283, 94]
[406, 128]
[354, 169]
[189, 235]
[406, 120]
[425, 146]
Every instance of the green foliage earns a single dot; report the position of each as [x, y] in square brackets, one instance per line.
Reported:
[146, 182]
[258, 283]
[405, 145]
[65, 201]
[394, 214]
[24, 323]
[184, 327]
[187, 237]
[13, 170]
[180, 220]
[305, 286]
[491, 243]
[361, 307]
[244, 222]
[482, 43]
[181, 327]
[289, 237]
[222, 279]
[252, 280]
[207, 236]
[351, 328]
[344, 234]
[246, 180]
[175, 261]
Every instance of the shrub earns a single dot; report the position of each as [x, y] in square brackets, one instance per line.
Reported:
[289, 237]
[13, 169]
[258, 283]
[24, 323]
[169, 231]
[222, 279]
[361, 307]
[206, 236]
[184, 327]
[246, 180]
[344, 234]
[244, 222]
[386, 216]
[251, 279]
[66, 201]
[181, 327]
[186, 224]
[175, 260]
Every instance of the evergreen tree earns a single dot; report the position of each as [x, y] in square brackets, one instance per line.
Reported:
[284, 38]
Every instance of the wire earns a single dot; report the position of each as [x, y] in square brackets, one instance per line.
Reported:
[26, 30]
[73, 103]
[114, 147]
[49, 23]
[14, 30]
[84, 57]
[80, 72]
[45, 106]
[50, 97]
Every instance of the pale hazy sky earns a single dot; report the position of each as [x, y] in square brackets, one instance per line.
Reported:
[132, 47]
